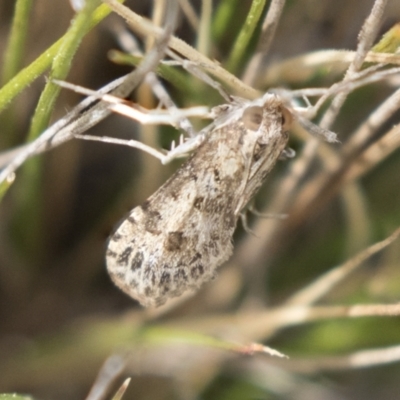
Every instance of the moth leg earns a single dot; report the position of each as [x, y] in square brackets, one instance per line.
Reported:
[184, 148]
[287, 154]
[254, 211]
[243, 218]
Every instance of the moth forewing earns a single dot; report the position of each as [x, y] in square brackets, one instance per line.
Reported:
[175, 241]
[269, 143]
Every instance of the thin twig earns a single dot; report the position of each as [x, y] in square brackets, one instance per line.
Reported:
[356, 360]
[325, 283]
[264, 43]
[99, 111]
[367, 35]
[372, 156]
[143, 26]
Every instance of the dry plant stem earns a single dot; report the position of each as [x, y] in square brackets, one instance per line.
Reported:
[130, 46]
[130, 143]
[110, 371]
[263, 325]
[173, 116]
[144, 27]
[203, 39]
[99, 111]
[286, 191]
[369, 128]
[151, 117]
[57, 135]
[194, 69]
[158, 12]
[189, 13]
[294, 69]
[181, 120]
[121, 391]
[367, 35]
[324, 284]
[359, 79]
[148, 135]
[351, 85]
[297, 310]
[374, 155]
[317, 192]
[183, 149]
[264, 43]
[359, 359]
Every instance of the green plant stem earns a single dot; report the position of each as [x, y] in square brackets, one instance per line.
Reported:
[245, 35]
[13, 56]
[223, 17]
[16, 43]
[60, 67]
[30, 180]
[170, 74]
[25, 77]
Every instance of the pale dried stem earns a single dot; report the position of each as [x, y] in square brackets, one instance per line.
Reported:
[203, 38]
[162, 94]
[110, 371]
[148, 135]
[195, 70]
[389, 143]
[297, 310]
[356, 360]
[326, 282]
[263, 325]
[172, 116]
[190, 13]
[65, 128]
[299, 68]
[254, 251]
[367, 35]
[144, 27]
[366, 132]
[317, 192]
[158, 13]
[130, 46]
[359, 79]
[264, 43]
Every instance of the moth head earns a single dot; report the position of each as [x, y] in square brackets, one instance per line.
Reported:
[253, 116]
[287, 118]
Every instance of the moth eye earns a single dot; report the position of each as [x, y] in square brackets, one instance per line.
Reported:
[287, 118]
[252, 117]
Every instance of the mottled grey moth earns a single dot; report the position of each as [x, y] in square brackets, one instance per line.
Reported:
[177, 238]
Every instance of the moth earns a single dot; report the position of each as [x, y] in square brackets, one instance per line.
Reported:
[175, 241]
